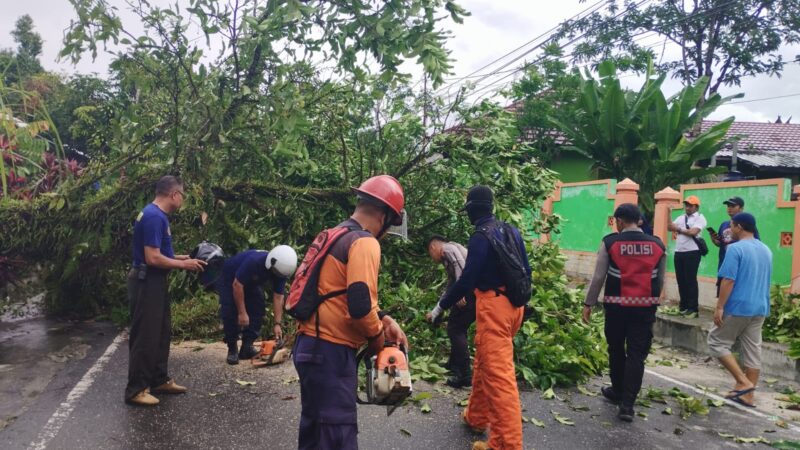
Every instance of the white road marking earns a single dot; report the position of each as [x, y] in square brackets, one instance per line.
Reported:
[697, 390]
[53, 426]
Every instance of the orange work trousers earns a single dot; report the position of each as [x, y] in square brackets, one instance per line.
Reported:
[494, 401]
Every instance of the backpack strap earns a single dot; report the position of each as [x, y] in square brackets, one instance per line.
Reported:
[332, 294]
[486, 230]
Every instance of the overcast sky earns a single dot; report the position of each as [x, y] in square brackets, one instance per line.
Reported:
[495, 28]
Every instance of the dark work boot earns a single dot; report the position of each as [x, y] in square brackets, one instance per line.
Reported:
[460, 378]
[233, 354]
[625, 413]
[247, 351]
[610, 395]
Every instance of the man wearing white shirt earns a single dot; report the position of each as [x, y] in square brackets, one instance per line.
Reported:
[687, 253]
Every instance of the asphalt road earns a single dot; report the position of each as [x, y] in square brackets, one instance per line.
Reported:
[80, 406]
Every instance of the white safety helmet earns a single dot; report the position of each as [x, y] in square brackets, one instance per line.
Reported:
[282, 260]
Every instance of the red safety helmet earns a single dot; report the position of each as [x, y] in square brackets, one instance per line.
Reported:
[387, 190]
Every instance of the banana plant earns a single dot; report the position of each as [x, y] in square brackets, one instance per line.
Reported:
[644, 135]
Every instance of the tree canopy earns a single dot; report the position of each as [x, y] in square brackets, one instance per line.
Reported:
[296, 103]
[723, 41]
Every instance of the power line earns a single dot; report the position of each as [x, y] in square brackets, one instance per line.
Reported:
[571, 41]
[475, 73]
[525, 66]
[765, 99]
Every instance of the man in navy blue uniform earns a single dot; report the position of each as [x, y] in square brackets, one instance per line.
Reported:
[241, 296]
[153, 258]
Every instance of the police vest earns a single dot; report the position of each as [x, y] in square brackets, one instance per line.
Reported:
[633, 269]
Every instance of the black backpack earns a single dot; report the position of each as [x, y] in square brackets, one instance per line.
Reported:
[512, 269]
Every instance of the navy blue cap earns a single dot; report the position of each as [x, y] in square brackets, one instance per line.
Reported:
[738, 201]
[744, 218]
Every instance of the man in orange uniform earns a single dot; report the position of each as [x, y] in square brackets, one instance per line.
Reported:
[494, 401]
[325, 349]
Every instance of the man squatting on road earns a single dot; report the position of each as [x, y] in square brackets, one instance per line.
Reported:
[241, 296]
[632, 264]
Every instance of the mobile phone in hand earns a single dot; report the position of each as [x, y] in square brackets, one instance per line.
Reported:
[711, 230]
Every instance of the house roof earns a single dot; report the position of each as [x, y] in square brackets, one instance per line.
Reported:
[767, 145]
[763, 145]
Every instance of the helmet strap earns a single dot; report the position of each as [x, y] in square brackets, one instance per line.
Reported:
[389, 216]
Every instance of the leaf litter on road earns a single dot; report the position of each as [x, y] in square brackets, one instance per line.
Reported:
[245, 383]
[585, 391]
[562, 419]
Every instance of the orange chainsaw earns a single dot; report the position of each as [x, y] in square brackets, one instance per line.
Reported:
[388, 378]
[272, 352]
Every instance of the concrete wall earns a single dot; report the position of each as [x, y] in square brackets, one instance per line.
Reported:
[580, 266]
[586, 209]
[767, 200]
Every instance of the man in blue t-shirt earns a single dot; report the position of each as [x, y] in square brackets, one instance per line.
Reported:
[724, 236]
[742, 306]
[153, 258]
[241, 296]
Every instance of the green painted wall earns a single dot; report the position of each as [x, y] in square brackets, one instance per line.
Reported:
[584, 212]
[573, 168]
[529, 216]
[759, 201]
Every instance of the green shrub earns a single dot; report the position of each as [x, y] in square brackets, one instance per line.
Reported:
[196, 317]
[783, 323]
[554, 346]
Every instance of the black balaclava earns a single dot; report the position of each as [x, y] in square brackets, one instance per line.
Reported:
[480, 203]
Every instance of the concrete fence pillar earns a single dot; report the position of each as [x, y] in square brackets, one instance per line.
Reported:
[795, 288]
[547, 209]
[667, 199]
[627, 192]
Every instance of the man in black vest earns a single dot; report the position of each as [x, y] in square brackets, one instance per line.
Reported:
[632, 265]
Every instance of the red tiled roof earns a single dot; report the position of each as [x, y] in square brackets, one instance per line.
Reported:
[763, 136]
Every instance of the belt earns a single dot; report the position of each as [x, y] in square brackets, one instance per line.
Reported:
[632, 301]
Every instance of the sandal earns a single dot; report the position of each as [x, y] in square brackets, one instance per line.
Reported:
[733, 395]
[742, 402]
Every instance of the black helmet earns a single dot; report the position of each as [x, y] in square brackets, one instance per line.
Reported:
[213, 255]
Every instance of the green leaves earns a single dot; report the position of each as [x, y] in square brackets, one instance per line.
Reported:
[562, 419]
[423, 368]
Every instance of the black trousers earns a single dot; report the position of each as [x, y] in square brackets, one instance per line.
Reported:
[629, 333]
[457, 327]
[149, 338]
[686, 266]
